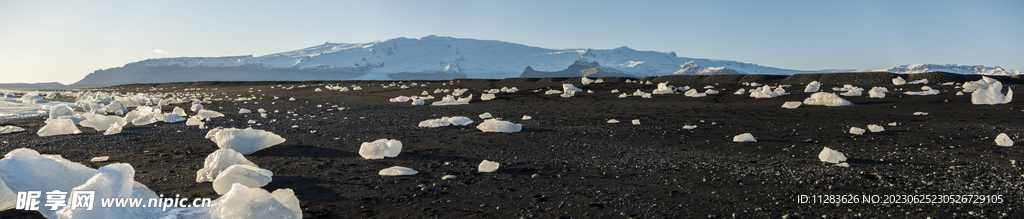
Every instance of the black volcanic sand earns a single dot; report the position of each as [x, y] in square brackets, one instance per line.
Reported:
[587, 167]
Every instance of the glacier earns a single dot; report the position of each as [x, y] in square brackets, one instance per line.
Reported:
[444, 58]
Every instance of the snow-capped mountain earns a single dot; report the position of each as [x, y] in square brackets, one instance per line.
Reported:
[440, 58]
[951, 68]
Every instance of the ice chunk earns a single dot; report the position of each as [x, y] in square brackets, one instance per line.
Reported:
[586, 81]
[243, 111]
[115, 107]
[663, 88]
[219, 161]
[460, 120]
[399, 99]
[197, 107]
[144, 118]
[791, 104]
[636, 122]
[898, 81]
[852, 91]
[843, 164]
[26, 170]
[876, 128]
[613, 121]
[494, 125]
[100, 122]
[745, 137]
[194, 121]
[877, 92]
[812, 87]
[893, 124]
[114, 180]
[826, 99]
[856, 131]
[8, 199]
[100, 159]
[831, 156]
[249, 176]
[10, 129]
[58, 127]
[485, 116]
[179, 111]
[445, 121]
[767, 92]
[487, 166]
[417, 102]
[448, 100]
[959, 93]
[113, 129]
[1003, 140]
[447, 177]
[486, 97]
[209, 114]
[245, 141]
[740, 91]
[61, 110]
[689, 127]
[245, 202]
[623, 95]
[920, 113]
[525, 117]
[694, 93]
[397, 171]
[922, 81]
[380, 148]
[992, 95]
[615, 91]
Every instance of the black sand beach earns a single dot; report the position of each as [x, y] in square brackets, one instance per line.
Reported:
[568, 162]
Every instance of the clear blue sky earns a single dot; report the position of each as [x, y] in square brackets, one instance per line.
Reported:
[62, 41]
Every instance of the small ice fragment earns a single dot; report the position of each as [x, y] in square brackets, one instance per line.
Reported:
[488, 166]
[100, 159]
[856, 131]
[486, 97]
[876, 128]
[10, 129]
[636, 122]
[831, 156]
[893, 124]
[689, 127]
[826, 99]
[380, 148]
[494, 125]
[243, 111]
[446, 177]
[1004, 140]
[397, 171]
[525, 117]
[194, 121]
[485, 116]
[843, 164]
[898, 81]
[791, 104]
[613, 121]
[920, 113]
[745, 137]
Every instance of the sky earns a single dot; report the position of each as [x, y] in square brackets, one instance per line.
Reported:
[63, 41]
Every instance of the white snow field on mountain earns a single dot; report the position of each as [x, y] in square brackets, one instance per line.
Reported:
[444, 58]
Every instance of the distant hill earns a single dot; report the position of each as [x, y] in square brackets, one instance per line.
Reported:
[34, 86]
